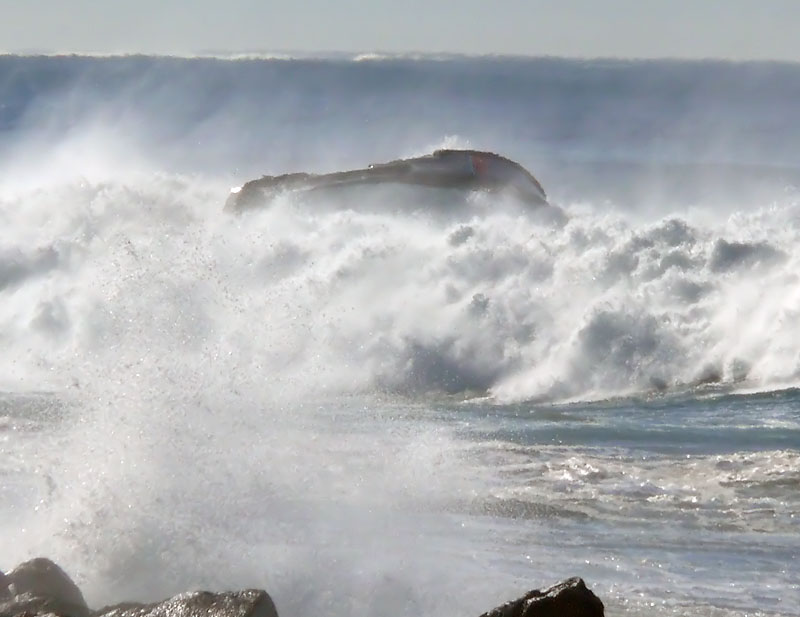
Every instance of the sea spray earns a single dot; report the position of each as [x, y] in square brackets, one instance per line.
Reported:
[422, 407]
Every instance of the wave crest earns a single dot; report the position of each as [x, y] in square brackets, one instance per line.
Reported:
[358, 300]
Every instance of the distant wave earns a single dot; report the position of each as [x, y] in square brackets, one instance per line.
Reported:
[272, 111]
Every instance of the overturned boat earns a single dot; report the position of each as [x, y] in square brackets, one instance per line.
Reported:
[470, 170]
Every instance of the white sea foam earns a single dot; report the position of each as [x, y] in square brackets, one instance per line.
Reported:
[229, 401]
[499, 302]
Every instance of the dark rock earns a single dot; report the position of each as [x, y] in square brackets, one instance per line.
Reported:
[39, 586]
[248, 603]
[570, 598]
[4, 583]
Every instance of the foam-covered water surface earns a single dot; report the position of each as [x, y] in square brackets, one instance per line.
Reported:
[403, 401]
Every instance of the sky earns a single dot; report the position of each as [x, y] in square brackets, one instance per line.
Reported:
[729, 29]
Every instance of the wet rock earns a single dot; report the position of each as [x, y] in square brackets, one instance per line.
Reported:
[570, 598]
[39, 586]
[248, 603]
[4, 583]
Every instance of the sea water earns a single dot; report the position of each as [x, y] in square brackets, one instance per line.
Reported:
[433, 405]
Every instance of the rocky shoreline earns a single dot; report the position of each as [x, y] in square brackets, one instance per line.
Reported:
[40, 587]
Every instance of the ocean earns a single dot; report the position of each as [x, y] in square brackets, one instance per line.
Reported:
[431, 405]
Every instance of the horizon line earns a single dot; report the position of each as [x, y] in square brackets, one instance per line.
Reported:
[378, 56]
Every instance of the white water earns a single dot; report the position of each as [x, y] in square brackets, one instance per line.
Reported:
[196, 438]
[198, 400]
[515, 306]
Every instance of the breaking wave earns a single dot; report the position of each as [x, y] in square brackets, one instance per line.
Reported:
[675, 267]
[498, 303]
[280, 392]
